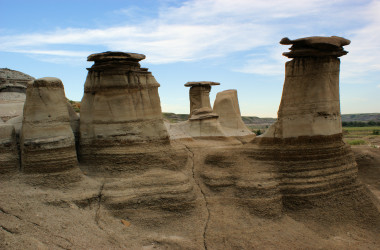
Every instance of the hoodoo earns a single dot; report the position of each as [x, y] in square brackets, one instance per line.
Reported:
[47, 141]
[120, 108]
[306, 141]
[310, 98]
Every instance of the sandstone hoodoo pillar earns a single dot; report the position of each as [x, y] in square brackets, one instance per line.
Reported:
[306, 141]
[202, 120]
[200, 106]
[120, 108]
[310, 98]
[47, 141]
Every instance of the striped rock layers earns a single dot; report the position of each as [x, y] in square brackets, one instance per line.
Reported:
[9, 156]
[123, 137]
[306, 141]
[120, 108]
[46, 141]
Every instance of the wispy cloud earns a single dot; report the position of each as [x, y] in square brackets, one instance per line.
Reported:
[200, 29]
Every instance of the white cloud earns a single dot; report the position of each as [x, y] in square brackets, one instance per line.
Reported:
[200, 29]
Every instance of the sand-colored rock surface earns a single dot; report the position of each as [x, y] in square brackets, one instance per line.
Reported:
[47, 141]
[120, 108]
[226, 105]
[123, 137]
[203, 122]
[12, 92]
[310, 97]
[9, 156]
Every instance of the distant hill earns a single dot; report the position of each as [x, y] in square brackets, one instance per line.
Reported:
[258, 122]
[366, 117]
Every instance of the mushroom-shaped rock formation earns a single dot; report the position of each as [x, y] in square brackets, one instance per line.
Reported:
[47, 141]
[200, 106]
[123, 137]
[120, 108]
[203, 122]
[310, 98]
[9, 157]
[316, 46]
[306, 141]
[226, 105]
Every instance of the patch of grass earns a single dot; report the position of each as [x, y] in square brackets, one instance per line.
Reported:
[361, 128]
[357, 142]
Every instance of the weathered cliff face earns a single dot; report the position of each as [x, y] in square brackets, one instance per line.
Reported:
[120, 108]
[226, 105]
[47, 141]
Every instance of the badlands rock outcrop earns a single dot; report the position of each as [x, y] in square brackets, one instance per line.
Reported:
[122, 134]
[120, 108]
[310, 99]
[47, 141]
[306, 141]
[294, 187]
[226, 105]
[12, 93]
[203, 122]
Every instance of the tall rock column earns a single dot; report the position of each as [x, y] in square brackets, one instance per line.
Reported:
[203, 122]
[120, 108]
[305, 144]
[310, 98]
[47, 141]
[200, 106]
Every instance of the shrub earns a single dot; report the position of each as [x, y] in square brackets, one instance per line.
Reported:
[356, 142]
[258, 132]
[376, 132]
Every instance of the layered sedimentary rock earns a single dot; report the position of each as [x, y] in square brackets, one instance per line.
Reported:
[12, 93]
[310, 98]
[306, 141]
[200, 106]
[226, 105]
[47, 141]
[123, 137]
[120, 107]
[203, 122]
[9, 156]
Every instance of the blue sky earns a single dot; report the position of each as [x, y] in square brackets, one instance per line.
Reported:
[231, 42]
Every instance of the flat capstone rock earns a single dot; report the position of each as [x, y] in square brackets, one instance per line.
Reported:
[204, 83]
[112, 55]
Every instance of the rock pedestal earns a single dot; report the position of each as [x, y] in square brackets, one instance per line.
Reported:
[200, 107]
[47, 141]
[310, 98]
[120, 108]
[226, 105]
[306, 141]
[203, 122]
